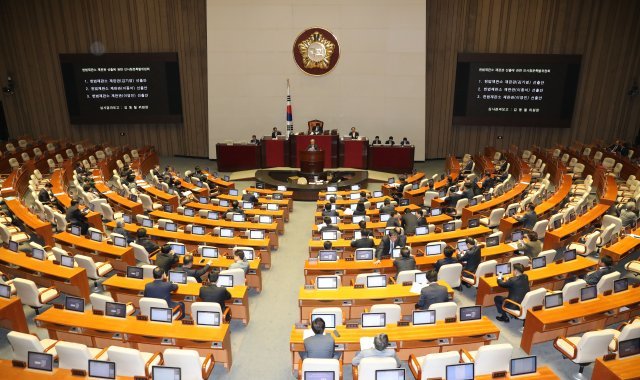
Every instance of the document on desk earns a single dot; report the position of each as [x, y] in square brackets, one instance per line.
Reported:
[417, 287]
[634, 236]
[513, 245]
[366, 342]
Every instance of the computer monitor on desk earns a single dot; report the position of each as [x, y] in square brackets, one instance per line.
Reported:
[327, 255]
[74, 304]
[390, 374]
[552, 300]
[115, 309]
[40, 361]
[588, 293]
[177, 248]
[96, 236]
[538, 262]
[319, 375]
[188, 211]
[327, 282]
[197, 230]
[629, 347]
[470, 313]
[329, 319]
[377, 281]
[134, 272]
[209, 252]
[75, 230]
[460, 372]
[523, 366]
[119, 241]
[330, 235]
[5, 291]
[161, 314]
[102, 369]
[208, 318]
[67, 261]
[424, 317]
[373, 320]
[620, 285]
[166, 373]
[171, 227]
[177, 277]
[363, 254]
[225, 280]
[433, 249]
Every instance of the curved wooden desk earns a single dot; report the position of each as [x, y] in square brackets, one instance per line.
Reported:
[57, 181]
[617, 369]
[12, 315]
[119, 257]
[39, 227]
[503, 200]
[569, 232]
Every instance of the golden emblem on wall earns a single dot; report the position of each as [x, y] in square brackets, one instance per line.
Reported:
[316, 51]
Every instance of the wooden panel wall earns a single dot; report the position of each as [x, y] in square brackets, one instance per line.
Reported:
[34, 32]
[605, 32]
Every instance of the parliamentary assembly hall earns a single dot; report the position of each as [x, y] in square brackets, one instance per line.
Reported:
[320, 189]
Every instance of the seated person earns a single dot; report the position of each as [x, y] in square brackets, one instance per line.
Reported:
[327, 226]
[166, 258]
[409, 221]
[149, 245]
[235, 208]
[376, 141]
[604, 267]
[380, 349]
[364, 242]
[316, 129]
[530, 218]
[422, 219]
[388, 243]
[240, 262]
[387, 207]
[254, 140]
[390, 141]
[187, 267]
[275, 132]
[360, 209]
[530, 246]
[432, 293]
[214, 293]
[328, 211]
[404, 142]
[319, 345]
[448, 258]
[628, 215]
[312, 147]
[471, 258]
[158, 288]
[518, 286]
[250, 197]
[405, 261]
[122, 231]
[75, 217]
[45, 195]
[353, 134]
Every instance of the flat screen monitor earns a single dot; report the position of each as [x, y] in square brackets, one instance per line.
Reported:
[161, 314]
[363, 254]
[384, 217]
[354, 196]
[377, 194]
[473, 223]
[226, 232]
[462, 246]
[208, 318]
[420, 278]
[329, 319]
[357, 219]
[552, 300]
[189, 211]
[433, 249]
[265, 219]
[504, 268]
[233, 192]
[442, 193]
[473, 202]
[377, 281]
[516, 236]
[225, 280]
[539, 262]
[13, 246]
[226, 178]
[74, 304]
[177, 277]
[373, 320]
[96, 236]
[319, 375]
[523, 366]
[557, 223]
[133, 197]
[422, 230]
[355, 187]
[171, 227]
[248, 253]
[198, 183]
[256, 234]
[135, 272]
[628, 347]
[572, 216]
[40, 361]
[448, 227]
[159, 372]
[75, 230]
[460, 372]
[332, 189]
[177, 248]
[205, 200]
[101, 369]
[512, 211]
[327, 282]
[259, 185]
[115, 309]
[272, 207]
[67, 261]
[38, 253]
[5, 291]
[327, 255]
[212, 215]
[223, 203]
[119, 241]
[470, 313]
[330, 235]
[197, 230]
[588, 293]
[167, 208]
[492, 241]
[379, 204]
[570, 255]
[415, 186]
[281, 188]
[390, 374]
[146, 222]
[424, 317]
[357, 235]
[391, 180]
[247, 205]
[127, 218]
[404, 202]
[209, 252]
[396, 252]
[620, 285]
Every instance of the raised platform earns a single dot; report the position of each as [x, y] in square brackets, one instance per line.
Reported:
[343, 179]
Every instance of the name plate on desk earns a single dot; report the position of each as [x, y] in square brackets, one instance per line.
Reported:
[142, 318]
[347, 303]
[537, 308]
[187, 322]
[574, 300]
[351, 325]
[78, 372]
[348, 259]
[58, 306]
[450, 320]
[309, 287]
[18, 364]
[487, 275]
[358, 286]
[97, 312]
[497, 375]
[407, 283]
[403, 323]
[608, 357]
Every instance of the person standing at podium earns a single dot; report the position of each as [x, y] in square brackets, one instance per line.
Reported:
[312, 147]
[354, 134]
[275, 133]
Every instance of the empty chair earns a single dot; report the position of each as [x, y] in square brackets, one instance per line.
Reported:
[432, 365]
[51, 164]
[10, 148]
[324, 365]
[14, 163]
[33, 296]
[146, 303]
[549, 255]
[126, 158]
[76, 356]
[608, 220]
[37, 152]
[625, 331]
[208, 306]
[531, 299]
[99, 302]
[107, 212]
[367, 368]
[606, 282]
[59, 158]
[429, 196]
[80, 149]
[22, 343]
[60, 221]
[148, 204]
[450, 274]
[69, 153]
[484, 268]
[25, 156]
[588, 247]
[108, 151]
[335, 311]
[393, 312]
[493, 220]
[462, 203]
[444, 310]
[512, 208]
[541, 228]
[147, 270]
[131, 362]
[100, 155]
[192, 365]
[134, 154]
[571, 290]
[361, 278]
[608, 163]
[95, 271]
[238, 275]
[584, 350]
[633, 266]
[140, 253]
[524, 260]
[489, 358]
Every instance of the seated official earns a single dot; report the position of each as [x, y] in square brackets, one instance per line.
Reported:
[158, 288]
[604, 267]
[328, 211]
[422, 220]
[249, 197]
[166, 258]
[487, 182]
[88, 191]
[319, 345]
[214, 293]
[628, 215]
[240, 262]
[530, 246]
[467, 167]
[395, 219]
[502, 166]
[149, 245]
[327, 226]
[122, 231]
[388, 243]
[365, 240]
[275, 132]
[316, 130]
[404, 142]
[376, 141]
[471, 258]
[363, 196]
[387, 207]
[409, 222]
[312, 147]
[518, 286]
[75, 217]
[432, 293]
[405, 261]
[360, 209]
[187, 267]
[254, 140]
[380, 350]
[353, 134]
[235, 208]
[530, 218]
[448, 258]
[616, 147]
[390, 141]
[45, 195]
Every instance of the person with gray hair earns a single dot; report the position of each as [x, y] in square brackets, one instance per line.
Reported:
[122, 231]
[628, 214]
[380, 349]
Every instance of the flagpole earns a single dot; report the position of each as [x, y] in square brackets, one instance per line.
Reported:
[289, 112]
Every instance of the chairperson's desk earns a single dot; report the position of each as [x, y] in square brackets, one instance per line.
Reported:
[124, 289]
[416, 340]
[617, 369]
[353, 302]
[12, 315]
[551, 277]
[102, 331]
[119, 257]
[72, 281]
[571, 319]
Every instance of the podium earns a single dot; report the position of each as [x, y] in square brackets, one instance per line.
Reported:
[312, 162]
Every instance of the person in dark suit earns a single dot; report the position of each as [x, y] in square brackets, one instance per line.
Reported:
[161, 289]
[530, 246]
[530, 218]
[187, 266]
[502, 166]
[122, 231]
[604, 268]
[376, 141]
[387, 207]
[421, 219]
[448, 258]
[312, 147]
[467, 190]
[166, 258]
[394, 220]
[319, 345]
[235, 208]
[390, 141]
[254, 140]
[471, 258]
[250, 197]
[405, 261]
[75, 217]
[213, 292]
[149, 245]
[404, 142]
[45, 196]
[275, 132]
[432, 293]
[328, 226]
[363, 228]
[468, 166]
[624, 151]
[409, 222]
[316, 130]
[360, 209]
[518, 286]
[388, 243]
[327, 211]
[353, 134]
[616, 147]
[364, 242]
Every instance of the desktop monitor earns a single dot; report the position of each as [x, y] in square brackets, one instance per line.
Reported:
[628, 347]
[588, 293]
[38, 253]
[504, 268]
[40, 361]
[74, 304]
[177, 248]
[189, 211]
[146, 222]
[442, 193]
[420, 278]
[160, 372]
[161, 314]
[115, 309]
[102, 369]
[67, 261]
[448, 227]
[225, 280]
[208, 318]
[329, 235]
[433, 249]
[377, 194]
[357, 218]
[223, 203]
[260, 185]
[247, 205]
[265, 219]
[572, 216]
[512, 211]
[205, 200]
[133, 197]
[354, 196]
[460, 372]
[96, 236]
[332, 189]
[272, 207]
[212, 215]
[396, 251]
[422, 230]
[327, 255]
[364, 254]
[319, 375]
[329, 319]
[391, 180]
[404, 202]
[620, 285]
[516, 236]
[233, 192]
[470, 313]
[373, 320]
[197, 230]
[171, 227]
[281, 188]
[487, 197]
[415, 186]
[538, 262]
[209, 252]
[13, 246]
[5, 291]
[334, 219]
[390, 374]
[492, 241]
[384, 217]
[523, 366]
[135, 272]
[424, 317]
[226, 232]
[167, 208]
[256, 234]
[473, 223]
[357, 235]
[248, 253]
[327, 282]
[226, 178]
[462, 246]
[570, 255]
[377, 281]
[127, 218]
[75, 230]
[119, 241]
[177, 277]
[473, 202]
[552, 300]
[379, 204]
[557, 223]
[355, 187]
